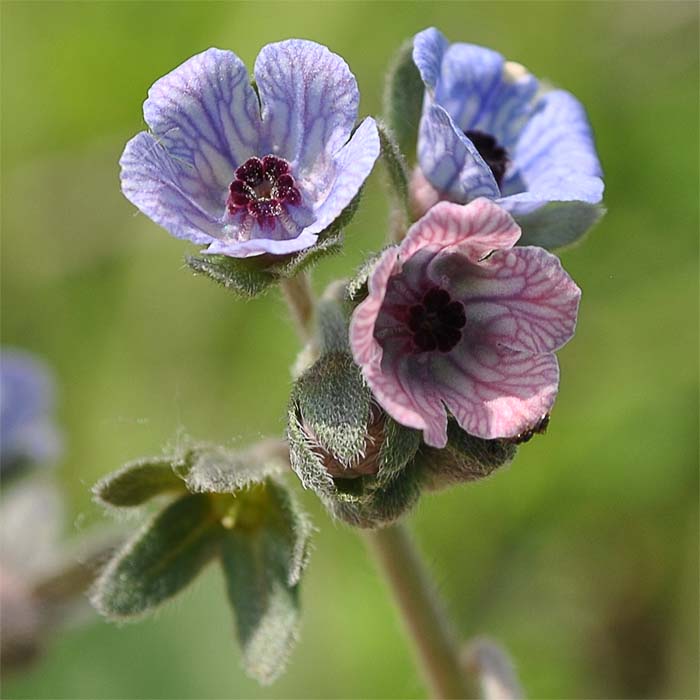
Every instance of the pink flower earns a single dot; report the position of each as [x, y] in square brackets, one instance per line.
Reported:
[458, 320]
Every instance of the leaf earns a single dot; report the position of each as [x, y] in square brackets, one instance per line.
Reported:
[262, 567]
[332, 324]
[403, 99]
[245, 277]
[138, 482]
[216, 469]
[558, 224]
[161, 560]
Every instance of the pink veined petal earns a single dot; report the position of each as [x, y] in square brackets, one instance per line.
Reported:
[494, 392]
[520, 299]
[478, 228]
[365, 348]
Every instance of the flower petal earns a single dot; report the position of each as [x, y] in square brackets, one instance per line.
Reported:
[429, 48]
[450, 161]
[520, 299]
[482, 92]
[260, 246]
[494, 392]
[555, 159]
[168, 191]
[309, 101]
[351, 167]
[476, 229]
[206, 114]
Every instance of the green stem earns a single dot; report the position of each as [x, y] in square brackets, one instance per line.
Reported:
[300, 300]
[435, 643]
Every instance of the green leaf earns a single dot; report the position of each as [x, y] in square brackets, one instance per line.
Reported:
[245, 277]
[137, 482]
[161, 560]
[215, 469]
[396, 166]
[403, 99]
[262, 567]
[558, 224]
[399, 448]
[332, 324]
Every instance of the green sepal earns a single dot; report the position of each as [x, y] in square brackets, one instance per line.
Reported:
[464, 458]
[160, 560]
[334, 403]
[138, 482]
[558, 224]
[216, 469]
[332, 244]
[262, 567]
[245, 277]
[396, 167]
[403, 99]
[356, 289]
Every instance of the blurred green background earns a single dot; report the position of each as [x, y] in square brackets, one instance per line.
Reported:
[581, 557]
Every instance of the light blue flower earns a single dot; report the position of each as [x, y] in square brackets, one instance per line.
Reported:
[28, 434]
[490, 129]
[249, 171]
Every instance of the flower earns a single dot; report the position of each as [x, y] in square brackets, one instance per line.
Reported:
[26, 412]
[490, 129]
[248, 173]
[458, 319]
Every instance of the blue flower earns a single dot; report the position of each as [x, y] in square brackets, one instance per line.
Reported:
[490, 129]
[251, 169]
[27, 431]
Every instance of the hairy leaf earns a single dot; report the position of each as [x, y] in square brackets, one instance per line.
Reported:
[245, 277]
[161, 560]
[137, 482]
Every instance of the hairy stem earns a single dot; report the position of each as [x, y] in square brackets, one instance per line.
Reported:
[300, 300]
[434, 640]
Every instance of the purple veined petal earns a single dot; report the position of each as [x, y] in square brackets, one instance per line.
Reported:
[475, 230]
[309, 101]
[450, 161]
[558, 132]
[429, 48]
[169, 191]
[521, 299]
[260, 246]
[482, 92]
[555, 159]
[351, 166]
[205, 113]
[494, 392]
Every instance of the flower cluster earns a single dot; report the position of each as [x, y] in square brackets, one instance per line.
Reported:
[428, 368]
[458, 323]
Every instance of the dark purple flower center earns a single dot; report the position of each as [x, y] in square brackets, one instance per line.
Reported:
[495, 156]
[437, 321]
[263, 187]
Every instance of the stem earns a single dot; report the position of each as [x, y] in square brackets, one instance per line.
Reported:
[300, 299]
[435, 642]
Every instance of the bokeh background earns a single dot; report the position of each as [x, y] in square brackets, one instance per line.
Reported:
[581, 557]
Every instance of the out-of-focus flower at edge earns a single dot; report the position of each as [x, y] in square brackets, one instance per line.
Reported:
[459, 319]
[250, 170]
[490, 129]
[28, 434]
